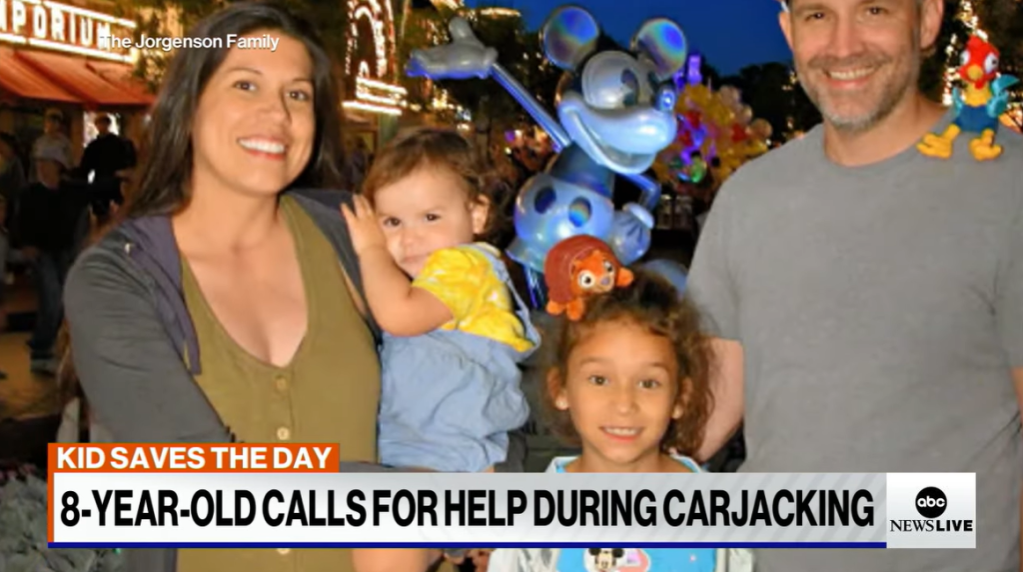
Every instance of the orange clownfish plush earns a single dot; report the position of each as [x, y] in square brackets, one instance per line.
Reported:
[579, 267]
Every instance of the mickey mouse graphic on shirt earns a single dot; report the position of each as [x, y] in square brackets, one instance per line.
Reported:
[616, 560]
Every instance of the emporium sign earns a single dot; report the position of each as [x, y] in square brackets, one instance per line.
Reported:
[63, 28]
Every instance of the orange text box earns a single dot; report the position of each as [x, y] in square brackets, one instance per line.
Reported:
[194, 458]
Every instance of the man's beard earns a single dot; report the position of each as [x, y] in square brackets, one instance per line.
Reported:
[893, 90]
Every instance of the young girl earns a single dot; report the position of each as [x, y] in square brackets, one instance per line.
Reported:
[455, 330]
[628, 383]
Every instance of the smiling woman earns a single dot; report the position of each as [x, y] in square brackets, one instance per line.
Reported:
[226, 302]
[225, 81]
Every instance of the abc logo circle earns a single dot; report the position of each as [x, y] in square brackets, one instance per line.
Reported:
[931, 502]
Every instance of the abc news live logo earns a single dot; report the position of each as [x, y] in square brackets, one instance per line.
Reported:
[931, 504]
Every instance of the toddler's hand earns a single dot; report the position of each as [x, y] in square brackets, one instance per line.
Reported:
[363, 226]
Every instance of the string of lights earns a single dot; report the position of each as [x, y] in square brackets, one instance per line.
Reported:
[968, 16]
[371, 22]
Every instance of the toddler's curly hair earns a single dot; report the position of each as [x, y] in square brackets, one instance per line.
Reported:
[444, 148]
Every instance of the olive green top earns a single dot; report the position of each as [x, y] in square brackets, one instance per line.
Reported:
[327, 394]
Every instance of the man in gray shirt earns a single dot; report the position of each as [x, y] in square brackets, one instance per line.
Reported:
[867, 300]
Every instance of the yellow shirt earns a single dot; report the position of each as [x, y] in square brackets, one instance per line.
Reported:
[463, 279]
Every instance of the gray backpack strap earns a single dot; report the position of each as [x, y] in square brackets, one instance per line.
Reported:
[324, 206]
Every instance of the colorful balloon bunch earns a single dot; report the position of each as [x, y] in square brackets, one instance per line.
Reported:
[716, 134]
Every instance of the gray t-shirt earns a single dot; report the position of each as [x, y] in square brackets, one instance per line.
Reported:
[880, 310]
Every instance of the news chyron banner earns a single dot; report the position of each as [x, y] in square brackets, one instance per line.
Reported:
[293, 496]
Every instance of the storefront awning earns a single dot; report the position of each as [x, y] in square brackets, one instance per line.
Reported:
[121, 76]
[358, 117]
[74, 76]
[22, 80]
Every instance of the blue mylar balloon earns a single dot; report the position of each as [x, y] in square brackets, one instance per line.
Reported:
[569, 35]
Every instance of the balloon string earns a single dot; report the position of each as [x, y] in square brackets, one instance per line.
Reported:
[535, 288]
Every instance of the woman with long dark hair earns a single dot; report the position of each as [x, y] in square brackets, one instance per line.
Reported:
[226, 304]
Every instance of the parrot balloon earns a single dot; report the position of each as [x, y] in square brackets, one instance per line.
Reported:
[977, 107]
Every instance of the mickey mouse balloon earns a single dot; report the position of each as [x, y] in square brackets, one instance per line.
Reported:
[615, 113]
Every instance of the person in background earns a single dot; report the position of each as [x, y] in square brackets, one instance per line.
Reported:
[524, 161]
[105, 163]
[12, 174]
[53, 143]
[12, 185]
[866, 300]
[5, 246]
[50, 215]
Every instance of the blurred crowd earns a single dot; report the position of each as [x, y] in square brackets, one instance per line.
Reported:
[48, 204]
